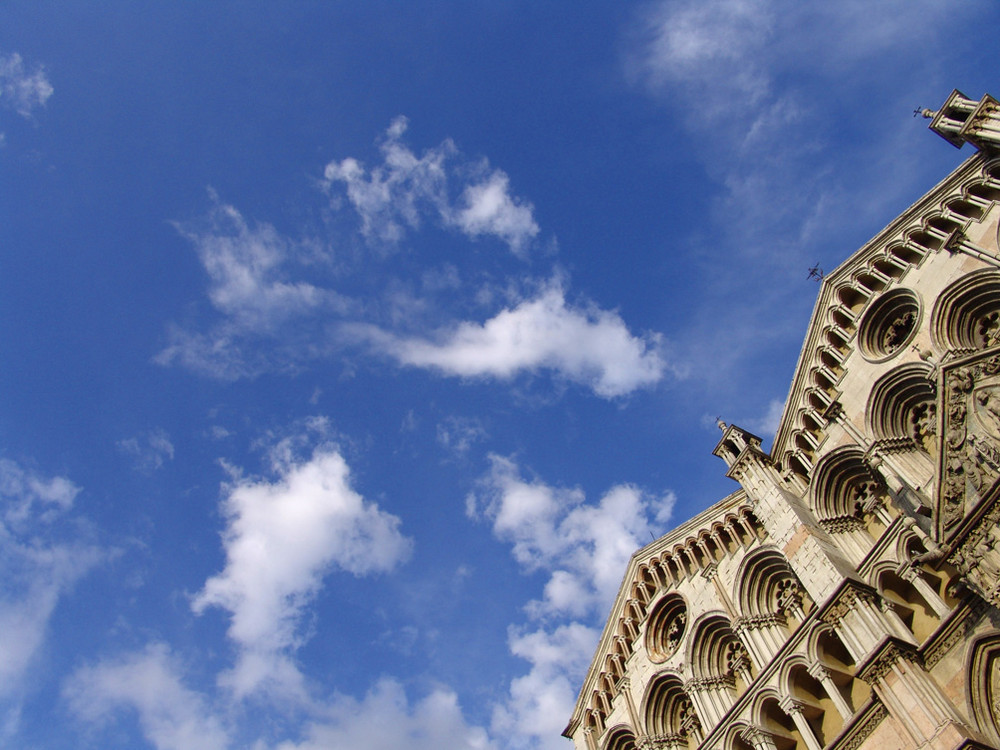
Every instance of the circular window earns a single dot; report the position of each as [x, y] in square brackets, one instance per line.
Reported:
[889, 324]
[665, 628]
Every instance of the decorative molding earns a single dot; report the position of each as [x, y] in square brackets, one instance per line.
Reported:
[848, 599]
[885, 657]
[756, 622]
[864, 725]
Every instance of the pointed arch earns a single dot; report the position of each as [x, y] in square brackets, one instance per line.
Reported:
[983, 687]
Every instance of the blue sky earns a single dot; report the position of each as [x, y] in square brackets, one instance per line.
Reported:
[349, 350]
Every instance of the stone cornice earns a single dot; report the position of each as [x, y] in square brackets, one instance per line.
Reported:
[884, 657]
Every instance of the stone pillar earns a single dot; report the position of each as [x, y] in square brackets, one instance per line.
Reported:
[794, 709]
[908, 573]
[857, 620]
[894, 619]
[822, 675]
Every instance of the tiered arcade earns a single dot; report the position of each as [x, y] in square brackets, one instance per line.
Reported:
[848, 594]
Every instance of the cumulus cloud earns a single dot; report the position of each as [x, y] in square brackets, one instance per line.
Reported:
[405, 190]
[148, 682]
[384, 720]
[149, 451]
[22, 89]
[584, 345]
[584, 546]
[488, 208]
[539, 703]
[40, 560]
[281, 538]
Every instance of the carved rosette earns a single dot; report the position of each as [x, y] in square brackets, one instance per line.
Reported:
[971, 446]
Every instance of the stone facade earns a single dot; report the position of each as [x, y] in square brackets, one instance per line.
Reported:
[848, 595]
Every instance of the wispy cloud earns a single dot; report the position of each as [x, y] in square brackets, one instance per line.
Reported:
[41, 558]
[22, 89]
[149, 451]
[781, 89]
[251, 270]
[282, 537]
[458, 434]
[584, 345]
[149, 682]
[405, 190]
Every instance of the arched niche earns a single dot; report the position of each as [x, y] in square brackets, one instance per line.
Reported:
[966, 316]
[766, 585]
[908, 603]
[902, 404]
[814, 701]
[782, 730]
[983, 687]
[669, 712]
[848, 497]
[829, 652]
[620, 738]
[715, 651]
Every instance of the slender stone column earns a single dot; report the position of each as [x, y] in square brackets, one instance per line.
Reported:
[794, 709]
[926, 591]
[822, 675]
[896, 622]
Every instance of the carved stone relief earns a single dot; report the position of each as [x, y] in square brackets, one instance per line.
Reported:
[977, 558]
[971, 445]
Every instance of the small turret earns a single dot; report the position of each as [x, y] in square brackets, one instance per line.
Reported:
[735, 440]
[963, 120]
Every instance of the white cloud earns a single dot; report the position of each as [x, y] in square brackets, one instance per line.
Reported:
[171, 716]
[149, 450]
[39, 563]
[540, 702]
[245, 264]
[249, 267]
[21, 89]
[384, 720]
[589, 346]
[767, 425]
[405, 190]
[281, 539]
[583, 546]
[489, 209]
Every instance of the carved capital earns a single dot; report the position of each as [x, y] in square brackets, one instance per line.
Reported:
[885, 658]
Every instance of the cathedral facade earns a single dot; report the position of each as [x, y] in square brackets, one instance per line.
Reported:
[848, 594]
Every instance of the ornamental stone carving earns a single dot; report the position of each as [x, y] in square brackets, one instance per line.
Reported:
[971, 440]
